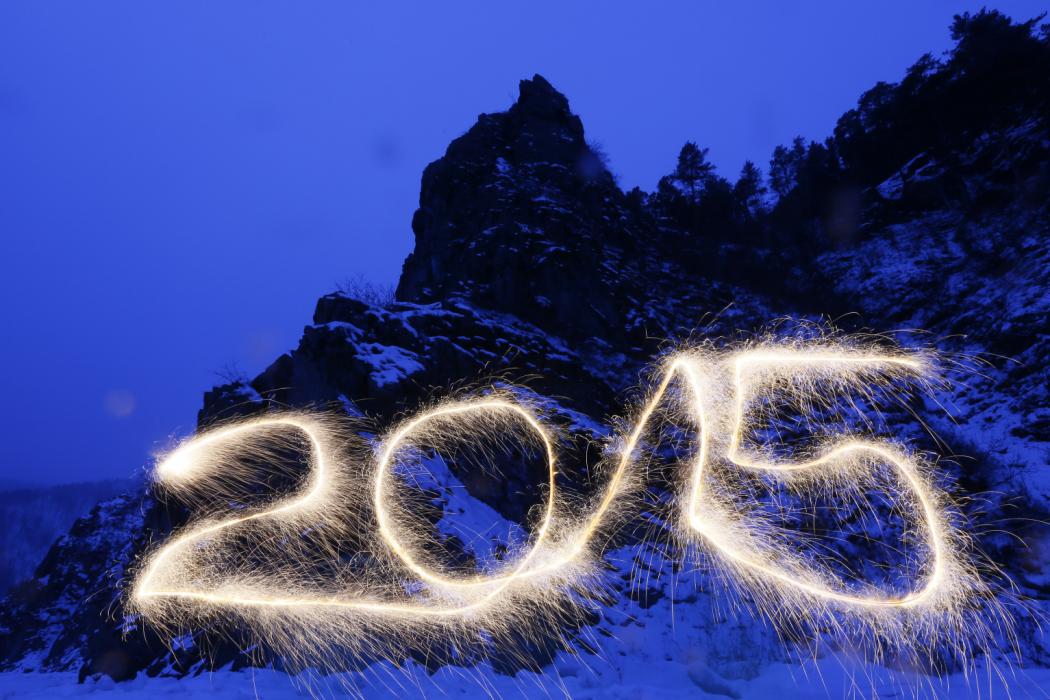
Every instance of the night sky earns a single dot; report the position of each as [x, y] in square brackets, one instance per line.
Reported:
[180, 181]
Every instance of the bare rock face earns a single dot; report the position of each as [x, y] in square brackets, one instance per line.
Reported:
[518, 216]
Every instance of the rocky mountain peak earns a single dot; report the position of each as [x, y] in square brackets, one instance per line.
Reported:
[510, 211]
[538, 128]
[538, 97]
[542, 127]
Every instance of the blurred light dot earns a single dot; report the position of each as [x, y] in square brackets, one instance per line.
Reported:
[119, 403]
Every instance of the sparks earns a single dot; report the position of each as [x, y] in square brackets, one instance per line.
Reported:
[351, 494]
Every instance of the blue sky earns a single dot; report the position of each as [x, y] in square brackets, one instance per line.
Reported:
[180, 181]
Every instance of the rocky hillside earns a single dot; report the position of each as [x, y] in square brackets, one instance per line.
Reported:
[532, 266]
[34, 517]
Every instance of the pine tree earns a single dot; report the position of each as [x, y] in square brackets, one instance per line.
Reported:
[784, 166]
[750, 189]
[692, 170]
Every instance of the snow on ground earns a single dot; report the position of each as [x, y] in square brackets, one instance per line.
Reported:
[634, 678]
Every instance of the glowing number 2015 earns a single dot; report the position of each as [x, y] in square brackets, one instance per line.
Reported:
[713, 392]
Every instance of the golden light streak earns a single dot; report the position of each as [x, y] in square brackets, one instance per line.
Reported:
[199, 571]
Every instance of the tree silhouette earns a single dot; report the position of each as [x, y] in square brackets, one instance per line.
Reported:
[693, 170]
[750, 190]
[784, 166]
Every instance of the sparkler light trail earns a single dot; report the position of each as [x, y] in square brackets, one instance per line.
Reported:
[281, 567]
